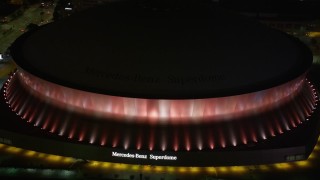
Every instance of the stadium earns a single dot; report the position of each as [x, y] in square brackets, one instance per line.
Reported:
[132, 84]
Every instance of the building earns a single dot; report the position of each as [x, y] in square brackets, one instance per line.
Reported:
[157, 85]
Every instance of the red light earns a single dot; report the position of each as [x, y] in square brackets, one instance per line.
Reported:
[49, 108]
[156, 111]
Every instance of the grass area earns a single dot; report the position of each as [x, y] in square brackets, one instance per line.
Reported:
[316, 59]
[13, 29]
[6, 69]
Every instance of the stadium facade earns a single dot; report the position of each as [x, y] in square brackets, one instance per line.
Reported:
[174, 86]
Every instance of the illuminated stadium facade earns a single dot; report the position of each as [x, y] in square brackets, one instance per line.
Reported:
[132, 84]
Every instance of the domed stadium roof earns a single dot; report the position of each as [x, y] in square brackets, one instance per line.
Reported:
[129, 50]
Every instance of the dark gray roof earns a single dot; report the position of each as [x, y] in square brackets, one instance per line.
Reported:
[126, 50]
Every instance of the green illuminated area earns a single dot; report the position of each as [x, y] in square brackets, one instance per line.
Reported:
[18, 24]
[39, 173]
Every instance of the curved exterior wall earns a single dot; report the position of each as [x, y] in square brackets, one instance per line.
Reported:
[158, 87]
